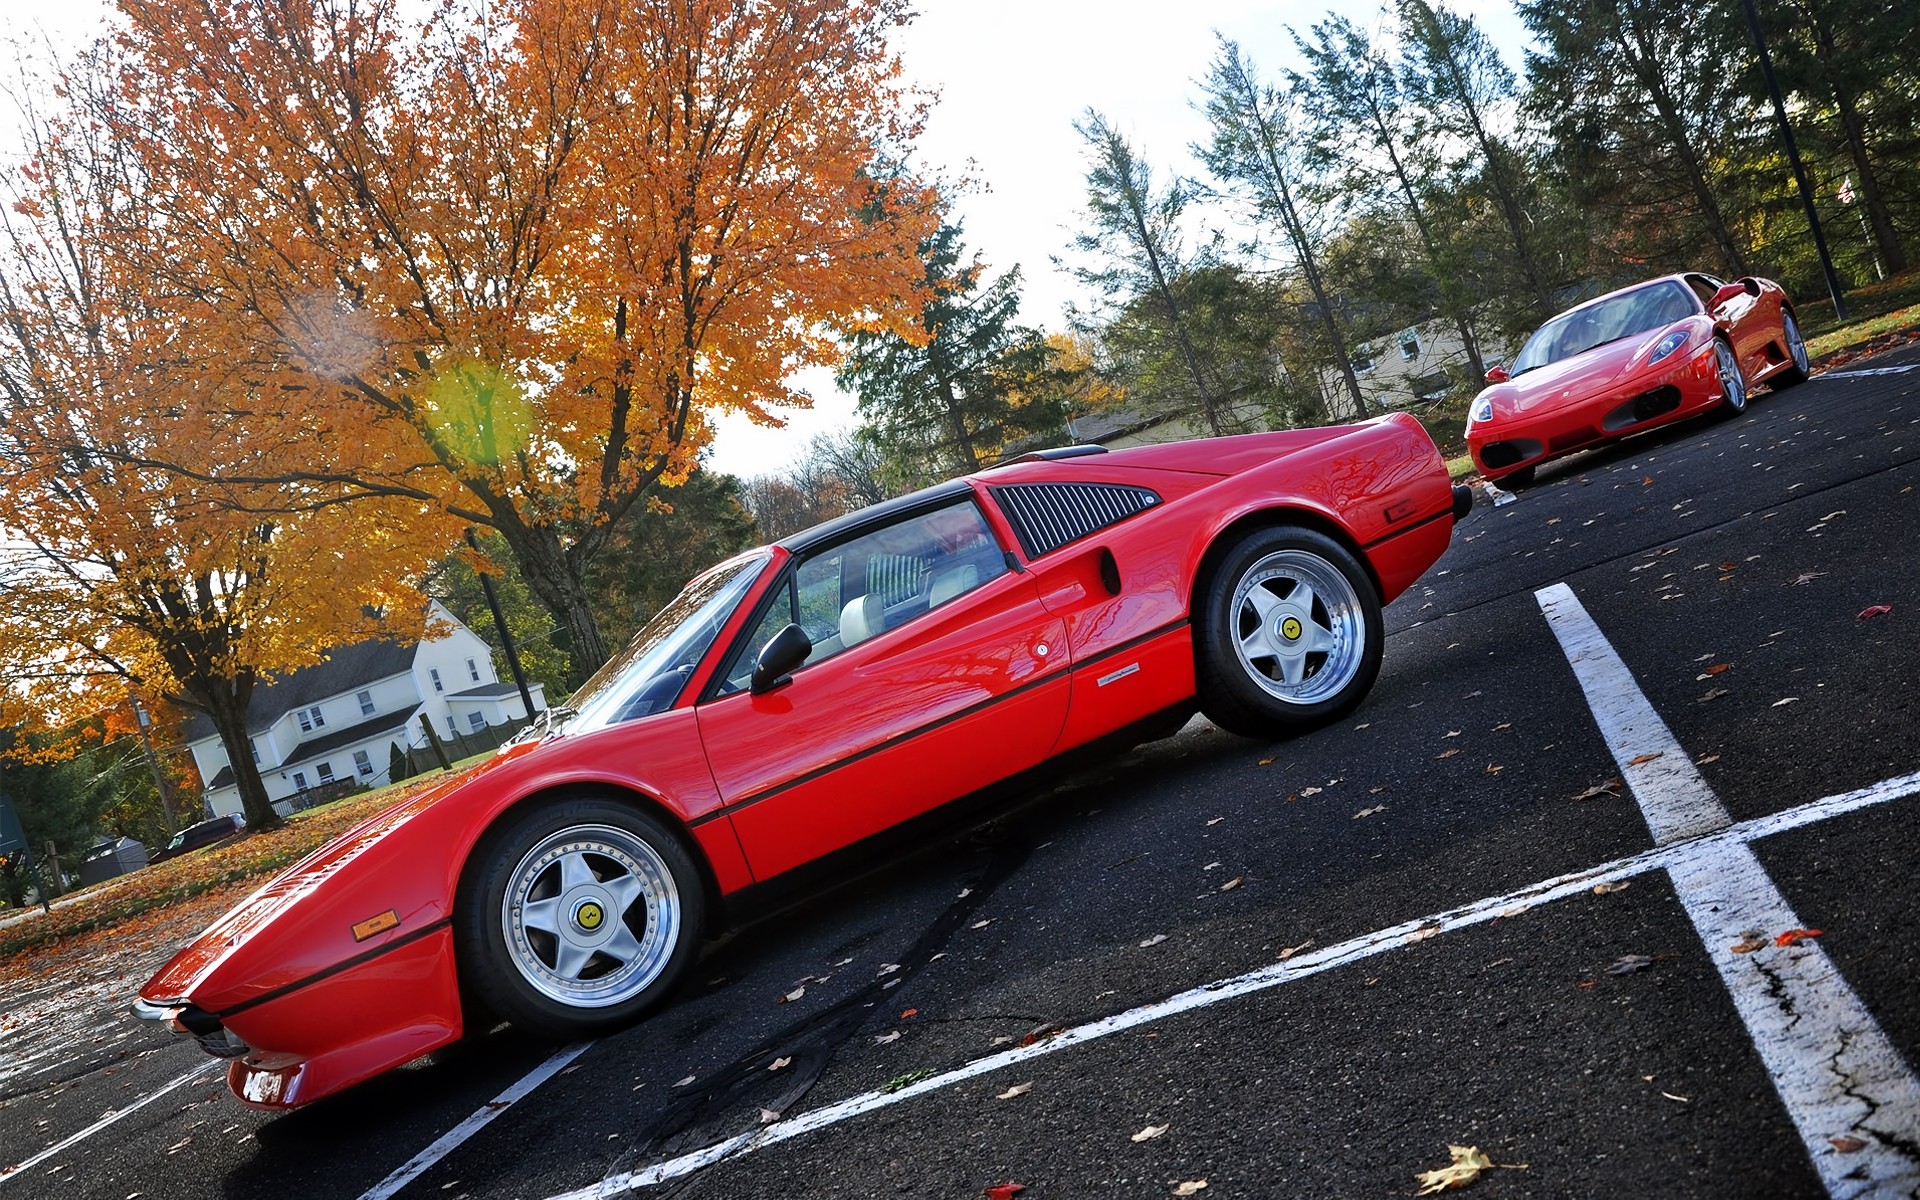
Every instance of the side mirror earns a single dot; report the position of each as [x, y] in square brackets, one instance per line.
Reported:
[1745, 287]
[1497, 375]
[779, 658]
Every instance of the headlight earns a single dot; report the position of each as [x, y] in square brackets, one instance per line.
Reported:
[1482, 412]
[1668, 345]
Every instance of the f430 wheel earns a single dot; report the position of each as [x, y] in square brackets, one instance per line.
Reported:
[578, 916]
[1287, 635]
[1796, 347]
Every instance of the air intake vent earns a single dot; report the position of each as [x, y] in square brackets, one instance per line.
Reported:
[1046, 516]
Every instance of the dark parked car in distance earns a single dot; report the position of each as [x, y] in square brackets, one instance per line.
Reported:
[198, 837]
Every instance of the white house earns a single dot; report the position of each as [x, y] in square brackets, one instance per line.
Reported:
[320, 727]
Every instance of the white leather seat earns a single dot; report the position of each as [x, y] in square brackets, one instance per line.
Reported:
[861, 618]
[952, 582]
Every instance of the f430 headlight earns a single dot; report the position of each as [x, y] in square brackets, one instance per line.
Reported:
[1668, 344]
[1482, 411]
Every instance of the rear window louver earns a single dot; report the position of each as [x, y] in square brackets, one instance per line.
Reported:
[1047, 516]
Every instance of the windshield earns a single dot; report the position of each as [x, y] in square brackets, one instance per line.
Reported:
[1606, 320]
[648, 675]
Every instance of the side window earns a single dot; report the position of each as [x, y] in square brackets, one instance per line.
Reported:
[877, 581]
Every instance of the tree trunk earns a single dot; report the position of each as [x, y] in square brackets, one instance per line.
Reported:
[1893, 255]
[225, 702]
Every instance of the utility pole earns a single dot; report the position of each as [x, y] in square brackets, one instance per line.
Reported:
[145, 719]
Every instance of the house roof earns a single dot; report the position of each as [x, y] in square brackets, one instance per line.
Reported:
[314, 747]
[486, 691]
[347, 669]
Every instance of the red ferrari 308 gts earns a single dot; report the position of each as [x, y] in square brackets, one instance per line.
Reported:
[803, 697]
[1629, 361]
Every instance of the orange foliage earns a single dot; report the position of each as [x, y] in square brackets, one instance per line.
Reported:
[516, 256]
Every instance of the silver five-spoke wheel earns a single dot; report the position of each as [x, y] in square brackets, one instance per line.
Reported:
[577, 915]
[1287, 632]
[591, 915]
[1733, 387]
[1298, 626]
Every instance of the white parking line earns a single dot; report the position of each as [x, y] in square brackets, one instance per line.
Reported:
[1694, 857]
[20, 1167]
[418, 1164]
[1834, 1067]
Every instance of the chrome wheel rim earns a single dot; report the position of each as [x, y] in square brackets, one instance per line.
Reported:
[591, 916]
[1796, 345]
[1731, 385]
[1299, 631]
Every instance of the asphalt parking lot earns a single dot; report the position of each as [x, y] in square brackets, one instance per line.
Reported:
[1539, 896]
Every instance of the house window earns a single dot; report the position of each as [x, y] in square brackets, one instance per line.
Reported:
[478, 722]
[1363, 360]
[1410, 347]
[310, 719]
[434, 674]
[363, 763]
[366, 703]
[473, 670]
[325, 771]
[306, 722]
[300, 780]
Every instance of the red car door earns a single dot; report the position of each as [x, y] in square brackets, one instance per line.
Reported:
[936, 671]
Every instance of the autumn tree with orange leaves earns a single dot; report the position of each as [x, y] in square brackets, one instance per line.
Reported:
[515, 256]
[119, 578]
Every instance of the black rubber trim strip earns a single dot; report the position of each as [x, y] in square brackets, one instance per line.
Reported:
[345, 964]
[1381, 541]
[931, 726]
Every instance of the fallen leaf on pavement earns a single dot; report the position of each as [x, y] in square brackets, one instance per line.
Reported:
[1155, 940]
[1003, 1191]
[1368, 812]
[1466, 1166]
[1446, 754]
[1713, 694]
[1618, 885]
[908, 1013]
[1151, 1132]
[1795, 935]
[1751, 940]
[793, 995]
[1627, 964]
[1643, 759]
[1785, 700]
[779, 1064]
[1190, 1187]
[1266, 762]
[1847, 1144]
[1807, 577]
[1290, 951]
[1610, 789]
[981, 924]
[684, 1082]
[1495, 768]
[1877, 610]
[1233, 883]
[1680, 1099]
[1715, 669]
[1018, 1089]
[892, 1035]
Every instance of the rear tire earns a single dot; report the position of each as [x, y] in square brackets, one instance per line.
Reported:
[1287, 634]
[577, 917]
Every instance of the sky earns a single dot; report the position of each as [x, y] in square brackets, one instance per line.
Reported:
[1011, 77]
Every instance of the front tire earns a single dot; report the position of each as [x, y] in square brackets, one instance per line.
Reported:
[1733, 385]
[1799, 365]
[577, 917]
[1288, 634]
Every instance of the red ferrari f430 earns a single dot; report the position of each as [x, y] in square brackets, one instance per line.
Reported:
[1631, 361]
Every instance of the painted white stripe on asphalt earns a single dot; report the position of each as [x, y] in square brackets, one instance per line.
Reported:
[1698, 856]
[1676, 801]
[419, 1163]
[1835, 1069]
[1865, 371]
[20, 1167]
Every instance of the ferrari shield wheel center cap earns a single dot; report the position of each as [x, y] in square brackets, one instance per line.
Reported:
[589, 915]
[1290, 628]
